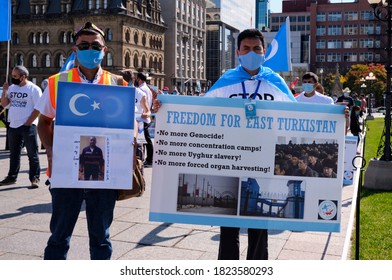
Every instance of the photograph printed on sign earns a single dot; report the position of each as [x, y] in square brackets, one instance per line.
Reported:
[306, 157]
[272, 198]
[207, 194]
[92, 158]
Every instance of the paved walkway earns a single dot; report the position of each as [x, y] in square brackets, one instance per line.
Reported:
[25, 215]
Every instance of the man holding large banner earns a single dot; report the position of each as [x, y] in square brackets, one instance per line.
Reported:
[88, 107]
[221, 154]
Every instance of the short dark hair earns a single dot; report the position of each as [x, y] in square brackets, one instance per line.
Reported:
[141, 76]
[250, 33]
[310, 75]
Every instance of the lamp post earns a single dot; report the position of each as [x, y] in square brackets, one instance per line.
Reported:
[370, 78]
[376, 175]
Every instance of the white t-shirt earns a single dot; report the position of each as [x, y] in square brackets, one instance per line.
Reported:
[138, 107]
[143, 87]
[266, 91]
[23, 99]
[317, 98]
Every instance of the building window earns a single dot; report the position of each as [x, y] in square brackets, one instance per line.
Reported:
[320, 44]
[109, 59]
[109, 35]
[334, 57]
[19, 60]
[136, 38]
[350, 43]
[334, 30]
[320, 31]
[15, 39]
[127, 36]
[351, 15]
[321, 17]
[349, 57]
[144, 40]
[351, 29]
[334, 44]
[135, 61]
[46, 60]
[63, 37]
[70, 37]
[144, 62]
[127, 61]
[334, 16]
[366, 57]
[33, 61]
[33, 39]
[366, 43]
[46, 38]
[60, 60]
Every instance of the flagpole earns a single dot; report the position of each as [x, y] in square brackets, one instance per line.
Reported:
[8, 61]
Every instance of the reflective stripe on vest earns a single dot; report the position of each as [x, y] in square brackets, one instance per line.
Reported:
[73, 76]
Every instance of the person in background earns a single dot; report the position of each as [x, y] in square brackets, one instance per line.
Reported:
[355, 126]
[21, 97]
[165, 90]
[128, 77]
[346, 99]
[363, 105]
[67, 203]
[319, 88]
[140, 82]
[310, 94]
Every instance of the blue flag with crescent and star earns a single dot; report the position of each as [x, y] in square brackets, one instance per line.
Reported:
[92, 105]
[278, 55]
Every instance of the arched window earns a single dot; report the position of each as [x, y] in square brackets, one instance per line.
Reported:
[135, 61]
[160, 65]
[144, 40]
[60, 60]
[151, 63]
[33, 61]
[46, 38]
[33, 39]
[127, 60]
[15, 39]
[155, 64]
[127, 36]
[63, 37]
[109, 59]
[19, 60]
[46, 60]
[144, 62]
[136, 38]
[109, 35]
[70, 38]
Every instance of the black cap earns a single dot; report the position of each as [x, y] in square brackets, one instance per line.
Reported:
[88, 28]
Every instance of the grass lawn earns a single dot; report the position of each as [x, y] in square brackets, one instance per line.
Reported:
[376, 208]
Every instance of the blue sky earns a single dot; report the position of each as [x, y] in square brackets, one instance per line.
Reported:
[276, 5]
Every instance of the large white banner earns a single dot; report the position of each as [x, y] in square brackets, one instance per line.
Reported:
[282, 169]
[93, 135]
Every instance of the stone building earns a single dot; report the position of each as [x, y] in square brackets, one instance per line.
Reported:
[42, 35]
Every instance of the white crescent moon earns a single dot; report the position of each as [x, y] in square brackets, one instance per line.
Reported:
[72, 106]
[274, 50]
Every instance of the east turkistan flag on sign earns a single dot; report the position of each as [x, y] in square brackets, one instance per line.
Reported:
[103, 112]
[278, 55]
[5, 20]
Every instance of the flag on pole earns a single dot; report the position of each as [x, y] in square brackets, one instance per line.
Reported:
[69, 63]
[278, 55]
[5, 20]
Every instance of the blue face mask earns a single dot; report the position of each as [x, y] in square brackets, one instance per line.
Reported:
[357, 114]
[165, 91]
[251, 60]
[90, 58]
[308, 88]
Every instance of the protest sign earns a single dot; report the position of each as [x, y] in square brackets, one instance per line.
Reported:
[214, 166]
[93, 135]
[350, 151]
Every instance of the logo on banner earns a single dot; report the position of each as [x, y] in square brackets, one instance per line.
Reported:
[348, 175]
[327, 210]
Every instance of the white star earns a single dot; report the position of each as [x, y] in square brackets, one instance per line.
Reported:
[95, 105]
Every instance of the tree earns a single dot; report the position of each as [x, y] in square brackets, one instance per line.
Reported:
[358, 71]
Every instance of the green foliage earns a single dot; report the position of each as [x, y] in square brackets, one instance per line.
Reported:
[376, 208]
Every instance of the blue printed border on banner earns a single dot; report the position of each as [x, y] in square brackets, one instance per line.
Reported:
[239, 103]
[243, 222]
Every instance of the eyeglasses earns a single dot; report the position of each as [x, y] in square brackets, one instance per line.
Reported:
[85, 46]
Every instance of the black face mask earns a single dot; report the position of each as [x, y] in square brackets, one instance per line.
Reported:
[16, 81]
[136, 83]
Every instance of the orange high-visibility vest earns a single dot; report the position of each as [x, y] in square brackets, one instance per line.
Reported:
[72, 75]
